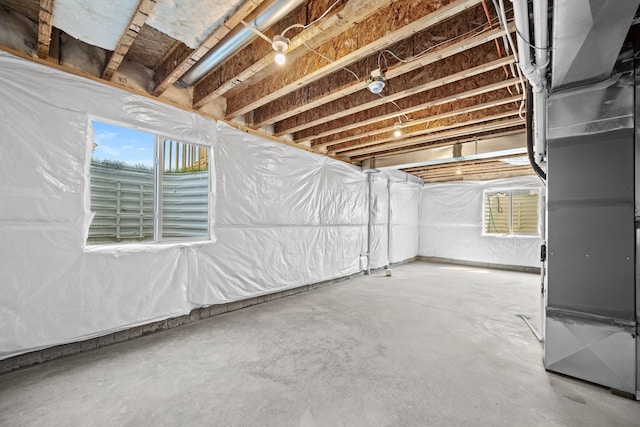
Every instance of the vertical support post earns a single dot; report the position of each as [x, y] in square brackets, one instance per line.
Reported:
[389, 223]
[369, 181]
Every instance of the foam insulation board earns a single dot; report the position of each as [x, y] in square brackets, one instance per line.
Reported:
[190, 21]
[97, 23]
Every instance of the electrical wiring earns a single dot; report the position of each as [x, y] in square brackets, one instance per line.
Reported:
[330, 61]
[502, 17]
[477, 30]
[304, 27]
[403, 116]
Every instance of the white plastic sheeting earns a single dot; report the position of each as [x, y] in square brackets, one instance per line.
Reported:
[405, 236]
[281, 217]
[451, 224]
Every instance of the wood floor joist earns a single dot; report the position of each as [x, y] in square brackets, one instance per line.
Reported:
[361, 120]
[182, 58]
[360, 133]
[353, 106]
[126, 40]
[471, 170]
[310, 130]
[481, 124]
[445, 142]
[437, 168]
[451, 121]
[456, 132]
[45, 18]
[359, 40]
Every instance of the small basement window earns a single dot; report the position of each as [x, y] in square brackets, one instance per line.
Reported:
[511, 212]
[147, 188]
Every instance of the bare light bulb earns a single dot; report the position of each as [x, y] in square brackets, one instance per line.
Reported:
[280, 58]
[397, 126]
[280, 44]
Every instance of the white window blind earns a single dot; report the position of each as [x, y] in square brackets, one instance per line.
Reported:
[510, 212]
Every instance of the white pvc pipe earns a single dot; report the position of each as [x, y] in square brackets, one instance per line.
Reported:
[534, 70]
[521, 16]
[541, 34]
[540, 125]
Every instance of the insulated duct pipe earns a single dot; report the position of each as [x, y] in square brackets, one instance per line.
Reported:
[534, 70]
[272, 14]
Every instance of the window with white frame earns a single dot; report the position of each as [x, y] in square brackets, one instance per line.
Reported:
[147, 188]
[511, 212]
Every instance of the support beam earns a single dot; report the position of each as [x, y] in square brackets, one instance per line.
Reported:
[470, 130]
[420, 14]
[45, 17]
[135, 24]
[182, 58]
[362, 121]
[255, 62]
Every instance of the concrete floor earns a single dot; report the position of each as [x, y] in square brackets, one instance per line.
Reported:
[434, 345]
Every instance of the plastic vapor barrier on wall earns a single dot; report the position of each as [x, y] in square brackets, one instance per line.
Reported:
[279, 217]
[451, 224]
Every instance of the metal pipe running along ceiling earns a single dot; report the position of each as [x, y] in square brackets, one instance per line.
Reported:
[272, 14]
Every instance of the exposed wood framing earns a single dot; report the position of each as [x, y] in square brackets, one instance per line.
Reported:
[452, 123]
[447, 70]
[286, 125]
[359, 133]
[135, 24]
[363, 41]
[517, 129]
[326, 91]
[354, 106]
[182, 58]
[469, 130]
[358, 120]
[259, 59]
[471, 170]
[45, 17]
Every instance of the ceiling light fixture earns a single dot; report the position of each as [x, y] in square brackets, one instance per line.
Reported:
[375, 82]
[397, 129]
[280, 44]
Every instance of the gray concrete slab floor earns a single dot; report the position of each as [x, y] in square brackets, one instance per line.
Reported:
[433, 345]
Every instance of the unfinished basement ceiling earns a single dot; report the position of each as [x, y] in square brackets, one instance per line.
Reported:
[449, 74]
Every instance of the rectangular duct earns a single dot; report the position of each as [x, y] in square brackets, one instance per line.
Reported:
[587, 37]
[591, 307]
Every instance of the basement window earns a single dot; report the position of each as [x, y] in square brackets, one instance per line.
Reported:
[511, 213]
[147, 188]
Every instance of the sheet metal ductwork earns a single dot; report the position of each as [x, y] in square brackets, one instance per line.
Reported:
[587, 36]
[593, 183]
[272, 14]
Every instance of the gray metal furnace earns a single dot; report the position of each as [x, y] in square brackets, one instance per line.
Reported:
[592, 307]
